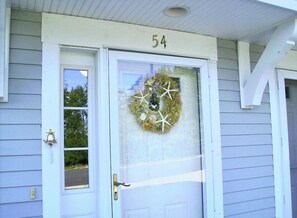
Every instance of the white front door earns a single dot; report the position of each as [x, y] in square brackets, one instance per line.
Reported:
[291, 97]
[156, 138]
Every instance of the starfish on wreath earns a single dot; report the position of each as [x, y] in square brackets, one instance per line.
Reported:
[168, 90]
[142, 98]
[163, 121]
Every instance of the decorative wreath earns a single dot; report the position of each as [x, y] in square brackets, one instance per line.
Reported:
[158, 106]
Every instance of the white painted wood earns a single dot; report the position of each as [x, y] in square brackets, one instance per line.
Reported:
[51, 172]
[292, 124]
[4, 48]
[280, 142]
[103, 176]
[289, 61]
[244, 69]
[282, 41]
[89, 33]
[211, 145]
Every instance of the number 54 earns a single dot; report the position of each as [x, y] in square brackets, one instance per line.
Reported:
[156, 41]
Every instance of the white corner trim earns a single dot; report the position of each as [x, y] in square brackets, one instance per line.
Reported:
[4, 49]
[85, 32]
[282, 41]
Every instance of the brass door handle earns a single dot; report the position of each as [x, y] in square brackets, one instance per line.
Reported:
[116, 184]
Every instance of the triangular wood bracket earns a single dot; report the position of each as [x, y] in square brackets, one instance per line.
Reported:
[252, 85]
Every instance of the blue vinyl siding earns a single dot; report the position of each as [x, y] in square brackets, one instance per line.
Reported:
[20, 121]
[247, 160]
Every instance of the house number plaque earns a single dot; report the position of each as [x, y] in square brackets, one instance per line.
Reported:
[159, 41]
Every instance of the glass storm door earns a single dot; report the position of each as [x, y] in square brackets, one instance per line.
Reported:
[156, 154]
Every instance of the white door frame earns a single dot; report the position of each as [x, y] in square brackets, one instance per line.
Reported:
[280, 139]
[101, 35]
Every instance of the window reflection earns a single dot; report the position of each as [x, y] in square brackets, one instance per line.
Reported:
[75, 128]
[75, 88]
[76, 169]
[76, 153]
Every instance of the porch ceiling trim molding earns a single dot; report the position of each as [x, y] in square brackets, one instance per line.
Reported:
[252, 85]
[4, 48]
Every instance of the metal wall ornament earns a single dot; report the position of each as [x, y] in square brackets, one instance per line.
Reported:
[157, 107]
[51, 138]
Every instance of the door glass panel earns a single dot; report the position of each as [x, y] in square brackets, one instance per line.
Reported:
[75, 128]
[160, 146]
[76, 152]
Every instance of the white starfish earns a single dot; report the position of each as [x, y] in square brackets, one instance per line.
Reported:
[142, 97]
[168, 90]
[163, 121]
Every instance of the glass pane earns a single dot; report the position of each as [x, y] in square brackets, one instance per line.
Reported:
[76, 169]
[75, 88]
[75, 128]
[160, 141]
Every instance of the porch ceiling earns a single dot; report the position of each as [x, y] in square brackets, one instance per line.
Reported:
[247, 20]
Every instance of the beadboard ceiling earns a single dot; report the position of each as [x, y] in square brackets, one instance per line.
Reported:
[247, 20]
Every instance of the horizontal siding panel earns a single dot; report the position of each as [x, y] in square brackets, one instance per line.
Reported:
[237, 197]
[223, 43]
[228, 74]
[226, 106]
[227, 64]
[246, 151]
[9, 116]
[244, 162]
[26, 209]
[255, 48]
[20, 147]
[24, 86]
[18, 56]
[245, 129]
[20, 163]
[20, 132]
[22, 102]
[25, 28]
[227, 53]
[247, 173]
[18, 194]
[26, 16]
[248, 184]
[267, 213]
[250, 206]
[234, 95]
[20, 179]
[20, 71]
[245, 118]
[229, 85]
[229, 96]
[246, 140]
[25, 42]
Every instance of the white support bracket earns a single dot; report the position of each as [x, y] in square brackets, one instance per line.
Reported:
[252, 85]
[4, 48]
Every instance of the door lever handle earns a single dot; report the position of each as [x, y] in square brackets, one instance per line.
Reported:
[121, 183]
[116, 184]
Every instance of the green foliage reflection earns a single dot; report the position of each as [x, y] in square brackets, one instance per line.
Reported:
[75, 126]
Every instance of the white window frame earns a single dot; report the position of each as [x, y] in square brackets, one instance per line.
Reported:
[4, 49]
[104, 34]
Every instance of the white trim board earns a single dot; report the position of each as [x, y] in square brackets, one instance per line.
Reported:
[283, 204]
[4, 49]
[75, 31]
